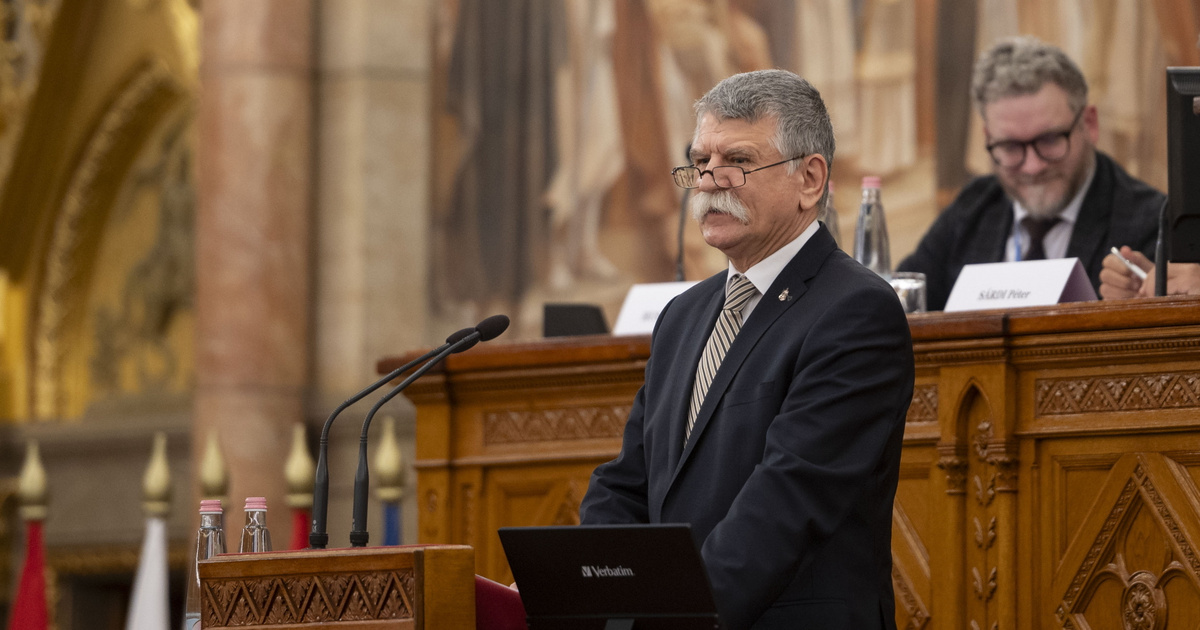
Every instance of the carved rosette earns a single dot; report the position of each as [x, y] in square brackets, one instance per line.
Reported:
[1143, 604]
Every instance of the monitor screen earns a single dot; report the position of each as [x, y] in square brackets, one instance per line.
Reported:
[1183, 163]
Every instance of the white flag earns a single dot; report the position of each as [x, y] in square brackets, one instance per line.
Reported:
[149, 607]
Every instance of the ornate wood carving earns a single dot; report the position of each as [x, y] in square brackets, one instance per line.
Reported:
[906, 596]
[1140, 546]
[324, 598]
[552, 425]
[1131, 392]
[924, 406]
[955, 467]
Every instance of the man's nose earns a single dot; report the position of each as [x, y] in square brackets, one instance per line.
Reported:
[708, 182]
[1033, 164]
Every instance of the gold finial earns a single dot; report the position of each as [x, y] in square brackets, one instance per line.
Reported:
[299, 470]
[31, 488]
[156, 482]
[389, 465]
[214, 479]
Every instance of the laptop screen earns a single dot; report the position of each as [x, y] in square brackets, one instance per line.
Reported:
[639, 576]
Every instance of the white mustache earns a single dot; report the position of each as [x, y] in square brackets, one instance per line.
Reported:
[723, 201]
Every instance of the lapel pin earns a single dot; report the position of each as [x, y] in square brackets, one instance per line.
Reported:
[784, 297]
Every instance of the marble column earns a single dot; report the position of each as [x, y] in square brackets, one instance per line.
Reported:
[372, 225]
[255, 170]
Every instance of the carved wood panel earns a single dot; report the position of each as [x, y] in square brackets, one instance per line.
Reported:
[326, 598]
[1135, 558]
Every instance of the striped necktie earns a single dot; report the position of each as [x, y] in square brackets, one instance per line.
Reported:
[729, 322]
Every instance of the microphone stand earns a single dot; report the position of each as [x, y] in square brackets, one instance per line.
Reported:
[1162, 251]
[358, 531]
[318, 537]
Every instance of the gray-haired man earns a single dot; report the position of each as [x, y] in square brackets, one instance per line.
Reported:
[1052, 194]
[773, 408]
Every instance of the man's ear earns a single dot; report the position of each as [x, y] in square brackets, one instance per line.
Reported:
[816, 176]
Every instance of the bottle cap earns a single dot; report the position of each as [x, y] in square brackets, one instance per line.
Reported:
[872, 182]
[256, 503]
[211, 506]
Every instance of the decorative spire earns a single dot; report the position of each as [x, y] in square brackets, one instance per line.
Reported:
[300, 470]
[214, 478]
[31, 488]
[156, 482]
[389, 465]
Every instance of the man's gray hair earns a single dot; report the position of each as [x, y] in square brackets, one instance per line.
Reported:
[802, 123]
[1017, 66]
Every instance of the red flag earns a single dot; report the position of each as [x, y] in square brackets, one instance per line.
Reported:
[29, 610]
[301, 518]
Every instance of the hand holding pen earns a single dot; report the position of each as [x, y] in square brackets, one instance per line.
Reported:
[1124, 274]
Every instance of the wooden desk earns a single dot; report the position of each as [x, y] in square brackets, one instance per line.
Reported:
[1049, 476]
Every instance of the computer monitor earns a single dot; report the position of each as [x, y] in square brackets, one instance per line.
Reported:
[610, 577]
[1183, 164]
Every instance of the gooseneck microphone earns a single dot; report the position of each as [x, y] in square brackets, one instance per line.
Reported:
[487, 330]
[317, 537]
[683, 214]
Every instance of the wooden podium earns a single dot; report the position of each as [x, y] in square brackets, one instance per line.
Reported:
[421, 587]
[1048, 480]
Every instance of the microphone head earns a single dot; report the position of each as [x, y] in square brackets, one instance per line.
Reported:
[459, 335]
[492, 327]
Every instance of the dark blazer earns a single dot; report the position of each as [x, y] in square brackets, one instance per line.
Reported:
[1117, 210]
[790, 473]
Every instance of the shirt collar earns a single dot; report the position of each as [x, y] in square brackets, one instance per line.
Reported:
[763, 274]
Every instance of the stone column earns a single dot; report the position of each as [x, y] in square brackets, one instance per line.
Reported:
[253, 239]
[372, 222]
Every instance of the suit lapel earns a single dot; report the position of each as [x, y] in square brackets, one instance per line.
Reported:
[793, 279]
[697, 338]
[991, 234]
[1092, 222]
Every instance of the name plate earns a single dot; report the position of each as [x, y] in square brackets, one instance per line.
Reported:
[1017, 284]
[642, 305]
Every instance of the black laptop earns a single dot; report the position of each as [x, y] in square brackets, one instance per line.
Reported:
[610, 577]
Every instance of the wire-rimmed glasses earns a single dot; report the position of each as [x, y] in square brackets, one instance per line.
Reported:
[723, 176]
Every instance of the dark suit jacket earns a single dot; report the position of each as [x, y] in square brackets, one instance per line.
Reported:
[790, 473]
[1117, 210]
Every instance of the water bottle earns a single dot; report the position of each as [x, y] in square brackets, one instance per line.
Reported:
[870, 236]
[255, 536]
[210, 541]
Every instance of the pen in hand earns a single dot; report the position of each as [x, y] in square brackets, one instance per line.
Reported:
[1137, 271]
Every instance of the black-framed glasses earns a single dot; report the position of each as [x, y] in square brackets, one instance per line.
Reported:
[1051, 146]
[723, 176]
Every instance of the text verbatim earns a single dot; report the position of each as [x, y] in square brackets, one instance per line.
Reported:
[595, 571]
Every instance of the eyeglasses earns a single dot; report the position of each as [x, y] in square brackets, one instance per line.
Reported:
[1051, 146]
[723, 176]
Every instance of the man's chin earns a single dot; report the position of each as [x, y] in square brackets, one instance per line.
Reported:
[1041, 204]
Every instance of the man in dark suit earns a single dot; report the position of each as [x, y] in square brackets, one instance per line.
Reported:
[773, 408]
[1051, 194]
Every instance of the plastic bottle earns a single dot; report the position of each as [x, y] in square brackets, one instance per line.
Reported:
[870, 236]
[210, 541]
[255, 536]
